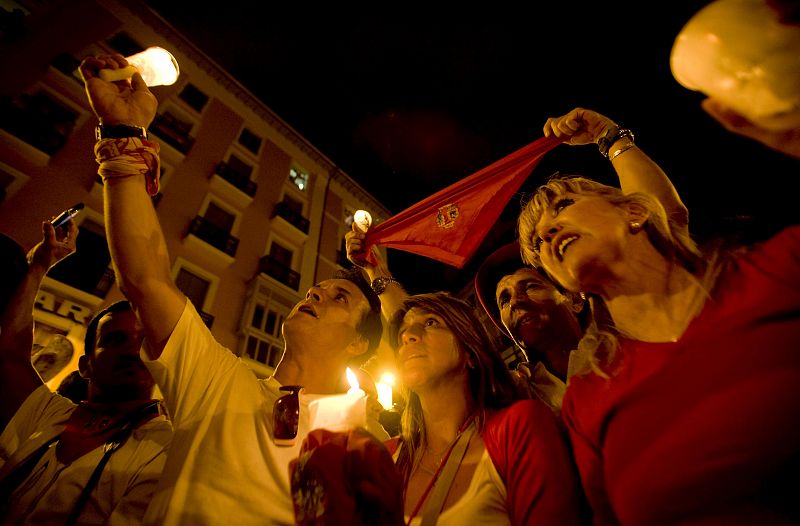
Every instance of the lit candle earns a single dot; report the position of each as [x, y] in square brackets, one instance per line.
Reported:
[384, 388]
[340, 412]
[156, 65]
[362, 219]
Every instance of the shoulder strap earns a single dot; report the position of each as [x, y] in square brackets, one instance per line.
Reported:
[114, 443]
[434, 506]
[16, 475]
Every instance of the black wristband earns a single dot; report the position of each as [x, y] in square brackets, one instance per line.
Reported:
[119, 131]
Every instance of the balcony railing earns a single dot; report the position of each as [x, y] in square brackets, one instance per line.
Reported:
[296, 219]
[215, 236]
[173, 132]
[277, 270]
[37, 120]
[239, 180]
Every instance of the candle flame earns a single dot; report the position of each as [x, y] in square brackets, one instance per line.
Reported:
[352, 379]
[388, 378]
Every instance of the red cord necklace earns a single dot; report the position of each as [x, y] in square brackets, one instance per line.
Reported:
[438, 472]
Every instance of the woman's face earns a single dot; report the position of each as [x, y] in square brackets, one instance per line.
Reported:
[428, 352]
[580, 239]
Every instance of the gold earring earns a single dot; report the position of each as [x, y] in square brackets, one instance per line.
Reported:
[635, 226]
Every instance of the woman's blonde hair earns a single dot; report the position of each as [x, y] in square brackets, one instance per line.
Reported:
[597, 349]
[669, 238]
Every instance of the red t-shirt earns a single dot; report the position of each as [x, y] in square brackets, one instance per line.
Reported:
[529, 449]
[705, 430]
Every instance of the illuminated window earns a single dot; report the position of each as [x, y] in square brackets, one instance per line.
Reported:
[300, 179]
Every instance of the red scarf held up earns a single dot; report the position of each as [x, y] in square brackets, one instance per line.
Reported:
[451, 224]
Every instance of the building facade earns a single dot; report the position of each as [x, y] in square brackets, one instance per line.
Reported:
[253, 214]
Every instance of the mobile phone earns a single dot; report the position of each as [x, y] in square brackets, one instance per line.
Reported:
[62, 218]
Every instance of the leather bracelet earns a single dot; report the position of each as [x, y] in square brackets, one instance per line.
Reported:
[620, 151]
[605, 142]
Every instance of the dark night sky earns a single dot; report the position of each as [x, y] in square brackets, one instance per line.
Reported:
[411, 100]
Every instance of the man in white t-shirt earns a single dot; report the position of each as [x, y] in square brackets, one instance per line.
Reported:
[224, 466]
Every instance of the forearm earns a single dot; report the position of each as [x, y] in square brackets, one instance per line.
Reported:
[17, 320]
[140, 257]
[134, 235]
[18, 378]
[637, 172]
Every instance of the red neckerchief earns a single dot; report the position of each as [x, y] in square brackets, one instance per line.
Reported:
[91, 425]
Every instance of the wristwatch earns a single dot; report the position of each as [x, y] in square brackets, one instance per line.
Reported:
[119, 131]
[605, 142]
[380, 283]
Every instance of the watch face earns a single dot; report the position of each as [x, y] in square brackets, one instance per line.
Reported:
[379, 286]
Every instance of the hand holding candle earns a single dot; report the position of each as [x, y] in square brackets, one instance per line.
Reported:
[340, 412]
[156, 65]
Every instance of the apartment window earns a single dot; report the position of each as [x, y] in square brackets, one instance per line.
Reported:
[267, 320]
[38, 119]
[124, 44]
[263, 350]
[293, 204]
[281, 254]
[174, 130]
[193, 286]
[298, 178]
[250, 140]
[219, 217]
[195, 98]
[264, 342]
[88, 268]
[239, 166]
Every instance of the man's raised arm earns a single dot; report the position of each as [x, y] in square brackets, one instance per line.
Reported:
[129, 167]
[18, 378]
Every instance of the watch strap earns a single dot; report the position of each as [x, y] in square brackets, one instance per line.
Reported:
[380, 283]
[119, 131]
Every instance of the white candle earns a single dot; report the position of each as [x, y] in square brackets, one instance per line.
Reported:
[156, 65]
[384, 395]
[362, 219]
[340, 412]
[384, 388]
